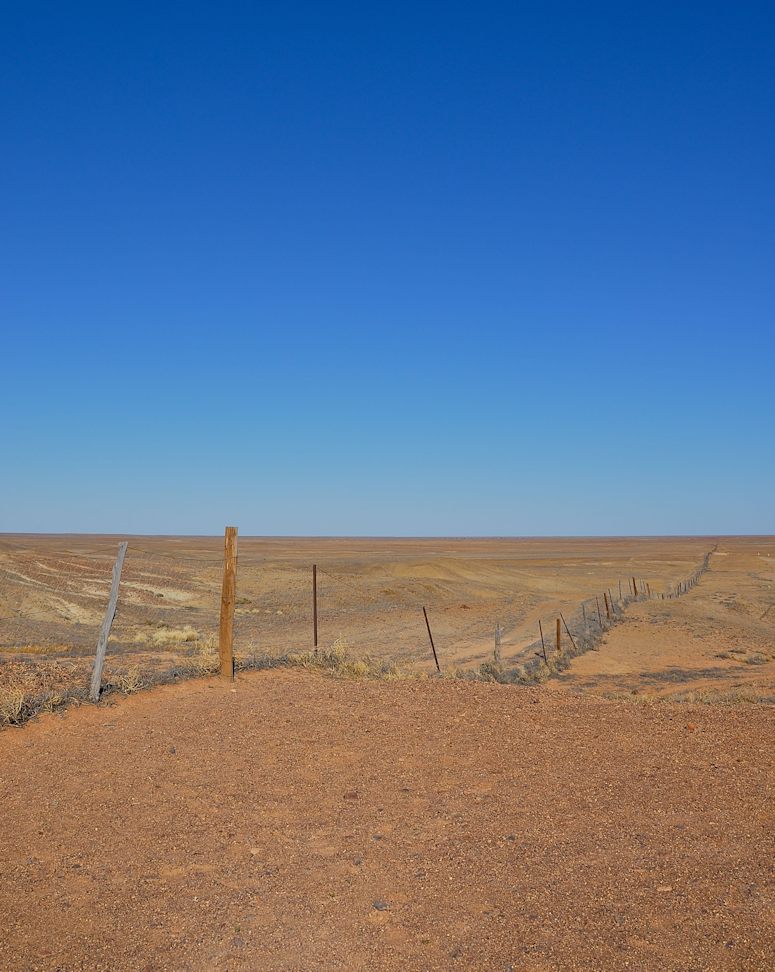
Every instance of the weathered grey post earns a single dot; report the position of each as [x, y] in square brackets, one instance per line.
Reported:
[102, 641]
[498, 644]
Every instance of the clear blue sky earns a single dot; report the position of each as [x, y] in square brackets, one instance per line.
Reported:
[454, 268]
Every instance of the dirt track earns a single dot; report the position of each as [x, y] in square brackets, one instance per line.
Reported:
[302, 823]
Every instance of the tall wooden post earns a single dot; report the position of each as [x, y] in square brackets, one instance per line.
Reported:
[315, 607]
[498, 644]
[559, 637]
[634, 587]
[228, 595]
[607, 606]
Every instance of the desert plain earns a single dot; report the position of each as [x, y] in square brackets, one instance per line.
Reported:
[615, 812]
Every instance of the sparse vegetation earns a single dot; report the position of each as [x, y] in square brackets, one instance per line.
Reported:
[26, 689]
[166, 635]
[127, 682]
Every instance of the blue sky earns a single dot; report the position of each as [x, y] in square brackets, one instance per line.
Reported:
[387, 269]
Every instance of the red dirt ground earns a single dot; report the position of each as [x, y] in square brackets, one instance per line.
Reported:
[300, 822]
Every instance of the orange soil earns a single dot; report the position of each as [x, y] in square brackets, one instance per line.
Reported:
[300, 822]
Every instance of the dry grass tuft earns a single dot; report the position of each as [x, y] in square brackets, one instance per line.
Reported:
[127, 682]
[203, 659]
[38, 649]
[27, 688]
[337, 659]
[12, 699]
[165, 635]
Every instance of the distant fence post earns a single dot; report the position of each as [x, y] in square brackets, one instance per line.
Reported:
[559, 637]
[498, 643]
[599, 615]
[567, 629]
[315, 607]
[228, 595]
[430, 636]
[543, 643]
[102, 641]
[607, 606]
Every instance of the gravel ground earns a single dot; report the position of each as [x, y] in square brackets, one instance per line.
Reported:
[297, 822]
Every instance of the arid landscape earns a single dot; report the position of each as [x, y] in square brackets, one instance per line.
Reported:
[716, 637]
[613, 811]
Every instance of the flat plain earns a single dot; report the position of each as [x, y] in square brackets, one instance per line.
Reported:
[619, 815]
[371, 592]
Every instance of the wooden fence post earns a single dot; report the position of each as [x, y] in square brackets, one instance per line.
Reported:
[315, 607]
[102, 640]
[228, 595]
[498, 643]
[543, 643]
[559, 637]
[607, 606]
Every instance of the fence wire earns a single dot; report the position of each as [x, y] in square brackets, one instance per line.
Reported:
[53, 598]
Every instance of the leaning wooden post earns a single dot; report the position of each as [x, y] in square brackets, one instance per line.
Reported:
[228, 595]
[430, 637]
[599, 615]
[498, 644]
[102, 641]
[315, 607]
[559, 637]
[634, 587]
[607, 606]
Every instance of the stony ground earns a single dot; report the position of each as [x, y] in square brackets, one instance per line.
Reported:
[300, 822]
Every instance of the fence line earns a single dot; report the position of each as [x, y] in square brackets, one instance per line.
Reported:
[582, 631]
[535, 664]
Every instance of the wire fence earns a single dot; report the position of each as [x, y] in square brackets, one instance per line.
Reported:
[498, 616]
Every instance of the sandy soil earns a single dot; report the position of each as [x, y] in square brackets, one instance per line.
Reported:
[299, 822]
